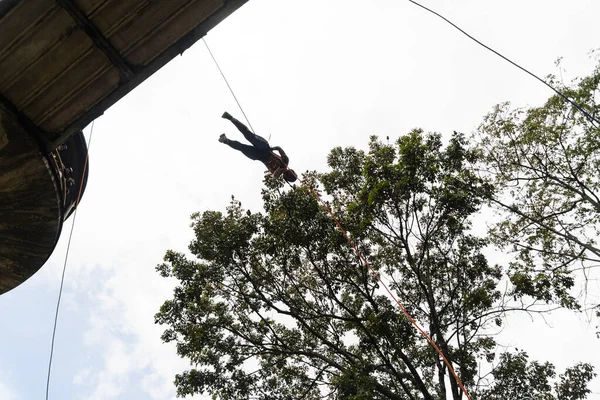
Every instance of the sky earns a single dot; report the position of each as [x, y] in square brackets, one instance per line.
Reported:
[312, 74]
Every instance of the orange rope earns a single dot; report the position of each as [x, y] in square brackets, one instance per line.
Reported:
[404, 311]
[378, 277]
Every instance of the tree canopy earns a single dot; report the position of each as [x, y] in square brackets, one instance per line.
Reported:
[276, 305]
[546, 160]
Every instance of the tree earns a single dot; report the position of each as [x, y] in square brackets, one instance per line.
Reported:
[278, 306]
[547, 161]
[516, 378]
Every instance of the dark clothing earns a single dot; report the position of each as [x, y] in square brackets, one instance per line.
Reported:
[251, 152]
[260, 149]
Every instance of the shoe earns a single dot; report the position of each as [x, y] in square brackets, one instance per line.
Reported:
[222, 138]
[226, 115]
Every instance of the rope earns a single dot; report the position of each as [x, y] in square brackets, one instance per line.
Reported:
[577, 106]
[360, 255]
[62, 279]
[378, 277]
[229, 86]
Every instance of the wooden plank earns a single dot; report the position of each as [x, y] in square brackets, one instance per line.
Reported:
[144, 23]
[171, 30]
[42, 38]
[90, 7]
[110, 19]
[97, 38]
[34, 80]
[70, 81]
[21, 20]
[82, 100]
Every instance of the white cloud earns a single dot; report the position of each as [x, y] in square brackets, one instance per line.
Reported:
[6, 391]
[82, 376]
[121, 328]
[108, 386]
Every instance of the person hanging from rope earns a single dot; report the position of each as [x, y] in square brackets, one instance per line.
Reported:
[260, 151]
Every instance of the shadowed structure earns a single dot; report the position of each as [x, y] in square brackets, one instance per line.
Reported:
[63, 63]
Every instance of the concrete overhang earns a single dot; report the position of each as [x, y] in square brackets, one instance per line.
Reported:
[62, 64]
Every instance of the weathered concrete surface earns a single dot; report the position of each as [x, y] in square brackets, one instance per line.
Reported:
[30, 211]
[64, 62]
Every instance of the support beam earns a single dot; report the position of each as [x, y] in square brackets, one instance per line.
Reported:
[98, 38]
[39, 136]
[142, 73]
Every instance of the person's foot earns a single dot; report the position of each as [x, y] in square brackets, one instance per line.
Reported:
[226, 115]
[222, 138]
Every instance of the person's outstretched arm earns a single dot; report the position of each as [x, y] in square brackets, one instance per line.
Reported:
[284, 156]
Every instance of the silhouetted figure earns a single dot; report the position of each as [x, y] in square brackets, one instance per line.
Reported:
[260, 151]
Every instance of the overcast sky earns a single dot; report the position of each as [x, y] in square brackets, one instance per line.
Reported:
[314, 74]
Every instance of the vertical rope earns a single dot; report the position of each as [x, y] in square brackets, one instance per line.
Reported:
[229, 86]
[62, 279]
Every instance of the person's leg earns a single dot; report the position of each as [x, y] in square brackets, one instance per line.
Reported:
[256, 140]
[248, 151]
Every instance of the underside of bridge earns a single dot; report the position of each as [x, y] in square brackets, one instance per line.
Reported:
[62, 64]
